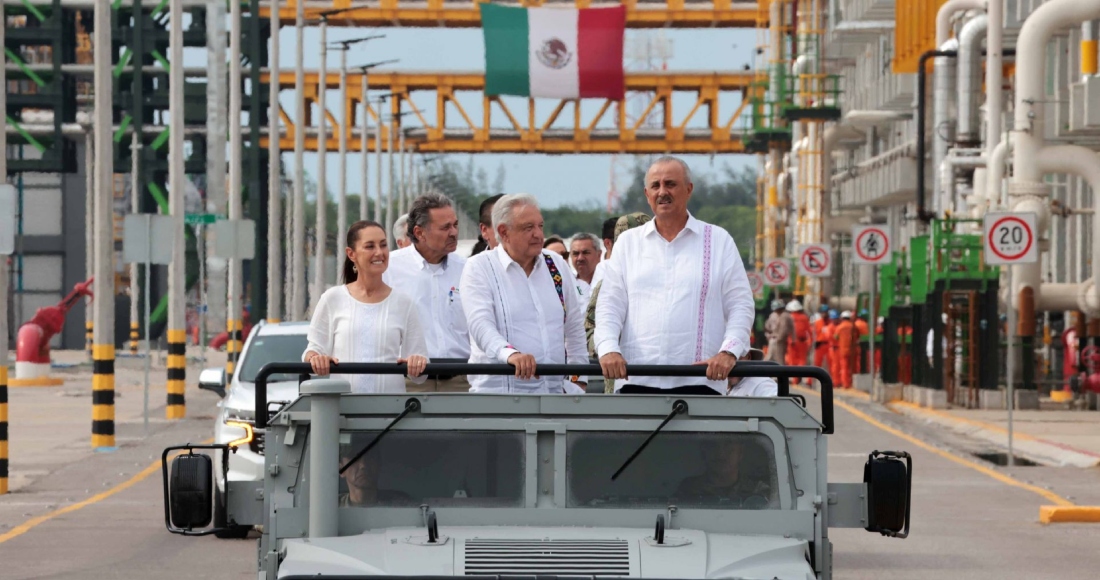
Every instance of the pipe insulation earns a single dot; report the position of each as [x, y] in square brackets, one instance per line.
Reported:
[943, 119]
[970, 78]
[947, 11]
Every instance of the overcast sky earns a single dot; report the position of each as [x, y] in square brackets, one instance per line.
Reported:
[555, 179]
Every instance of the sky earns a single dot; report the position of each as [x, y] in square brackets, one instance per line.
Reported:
[556, 179]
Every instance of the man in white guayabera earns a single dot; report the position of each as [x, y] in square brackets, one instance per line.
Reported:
[520, 305]
[428, 271]
[674, 292]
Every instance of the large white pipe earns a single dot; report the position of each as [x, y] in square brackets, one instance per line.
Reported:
[298, 228]
[1031, 51]
[943, 123]
[947, 11]
[970, 77]
[321, 225]
[274, 185]
[995, 173]
[1084, 163]
[994, 75]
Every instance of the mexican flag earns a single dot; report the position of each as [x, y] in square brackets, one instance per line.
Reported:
[565, 53]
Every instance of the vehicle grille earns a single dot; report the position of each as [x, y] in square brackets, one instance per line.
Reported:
[257, 443]
[556, 557]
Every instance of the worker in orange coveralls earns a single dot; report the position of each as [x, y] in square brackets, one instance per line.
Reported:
[864, 340]
[823, 340]
[798, 343]
[846, 341]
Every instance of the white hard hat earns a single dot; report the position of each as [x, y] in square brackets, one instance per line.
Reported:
[794, 306]
[846, 314]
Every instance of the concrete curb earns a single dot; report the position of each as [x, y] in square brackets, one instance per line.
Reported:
[36, 382]
[1038, 450]
[1081, 514]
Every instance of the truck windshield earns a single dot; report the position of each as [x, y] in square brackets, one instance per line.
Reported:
[700, 470]
[441, 468]
[269, 349]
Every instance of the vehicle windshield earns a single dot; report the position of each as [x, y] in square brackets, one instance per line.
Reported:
[441, 468]
[268, 349]
[700, 470]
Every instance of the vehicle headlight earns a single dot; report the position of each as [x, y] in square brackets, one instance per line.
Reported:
[241, 430]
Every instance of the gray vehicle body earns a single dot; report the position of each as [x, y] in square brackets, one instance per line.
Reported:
[544, 529]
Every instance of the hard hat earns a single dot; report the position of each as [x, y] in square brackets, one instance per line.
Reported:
[832, 315]
[794, 306]
[777, 304]
[846, 314]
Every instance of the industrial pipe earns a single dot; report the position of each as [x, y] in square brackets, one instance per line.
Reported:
[948, 10]
[970, 78]
[994, 75]
[1088, 47]
[923, 213]
[943, 122]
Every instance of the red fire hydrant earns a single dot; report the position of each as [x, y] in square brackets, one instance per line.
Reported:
[32, 346]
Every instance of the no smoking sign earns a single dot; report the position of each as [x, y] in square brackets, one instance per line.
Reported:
[870, 245]
[815, 260]
[777, 272]
[1009, 238]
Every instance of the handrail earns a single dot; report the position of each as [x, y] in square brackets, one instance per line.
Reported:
[743, 369]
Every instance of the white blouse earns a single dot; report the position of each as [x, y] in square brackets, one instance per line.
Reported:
[353, 331]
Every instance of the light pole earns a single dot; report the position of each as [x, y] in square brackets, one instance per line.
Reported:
[296, 308]
[365, 149]
[274, 181]
[346, 117]
[321, 224]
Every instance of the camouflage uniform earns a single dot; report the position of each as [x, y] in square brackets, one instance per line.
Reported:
[625, 223]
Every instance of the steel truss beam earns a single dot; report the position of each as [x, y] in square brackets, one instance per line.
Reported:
[539, 127]
[460, 14]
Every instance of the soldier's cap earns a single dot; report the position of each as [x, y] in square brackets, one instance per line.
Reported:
[630, 221]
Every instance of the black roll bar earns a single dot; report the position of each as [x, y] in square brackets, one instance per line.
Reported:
[743, 369]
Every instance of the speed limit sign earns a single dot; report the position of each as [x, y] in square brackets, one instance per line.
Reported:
[1010, 238]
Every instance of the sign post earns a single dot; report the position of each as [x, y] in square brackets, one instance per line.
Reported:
[1009, 239]
[138, 230]
[234, 240]
[871, 246]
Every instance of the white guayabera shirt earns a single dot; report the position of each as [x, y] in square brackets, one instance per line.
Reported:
[508, 311]
[434, 290]
[674, 303]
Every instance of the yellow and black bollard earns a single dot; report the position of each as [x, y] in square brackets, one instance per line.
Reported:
[177, 374]
[232, 347]
[3, 427]
[134, 337]
[103, 395]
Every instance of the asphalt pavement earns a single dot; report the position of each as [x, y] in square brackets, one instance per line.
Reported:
[100, 515]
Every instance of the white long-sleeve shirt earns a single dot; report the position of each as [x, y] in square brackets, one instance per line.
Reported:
[353, 331]
[508, 311]
[434, 290]
[675, 302]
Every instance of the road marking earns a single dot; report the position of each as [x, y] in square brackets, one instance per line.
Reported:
[1005, 479]
[36, 521]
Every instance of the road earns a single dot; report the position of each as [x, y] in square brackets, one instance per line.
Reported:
[966, 524]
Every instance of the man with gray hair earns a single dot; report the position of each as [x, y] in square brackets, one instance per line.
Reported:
[400, 235]
[584, 253]
[428, 271]
[674, 292]
[520, 305]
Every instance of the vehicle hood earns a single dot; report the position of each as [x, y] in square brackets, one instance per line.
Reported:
[242, 396]
[626, 552]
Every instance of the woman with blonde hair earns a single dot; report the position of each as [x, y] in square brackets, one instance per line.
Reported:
[364, 320]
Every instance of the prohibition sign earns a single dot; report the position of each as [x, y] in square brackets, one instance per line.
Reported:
[777, 272]
[814, 260]
[1010, 239]
[756, 283]
[872, 245]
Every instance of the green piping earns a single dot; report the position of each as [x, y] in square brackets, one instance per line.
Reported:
[30, 138]
[23, 67]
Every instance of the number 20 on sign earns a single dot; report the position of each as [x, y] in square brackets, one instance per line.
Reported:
[1010, 238]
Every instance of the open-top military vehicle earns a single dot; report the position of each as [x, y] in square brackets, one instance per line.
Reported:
[433, 486]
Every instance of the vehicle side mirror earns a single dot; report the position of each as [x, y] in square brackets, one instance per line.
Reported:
[191, 491]
[889, 480]
[213, 380]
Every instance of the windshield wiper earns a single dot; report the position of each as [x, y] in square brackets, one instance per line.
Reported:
[412, 405]
[678, 407]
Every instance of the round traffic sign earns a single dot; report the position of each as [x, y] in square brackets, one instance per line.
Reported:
[777, 272]
[756, 283]
[1010, 238]
[872, 244]
[814, 259]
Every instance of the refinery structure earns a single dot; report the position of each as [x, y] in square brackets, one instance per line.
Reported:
[920, 117]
